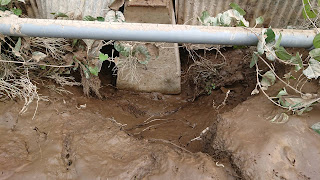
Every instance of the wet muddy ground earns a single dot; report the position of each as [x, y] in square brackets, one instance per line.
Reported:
[130, 135]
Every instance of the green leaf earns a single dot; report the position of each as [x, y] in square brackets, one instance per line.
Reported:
[268, 79]
[3, 8]
[143, 50]
[308, 12]
[59, 14]
[270, 56]
[122, 49]
[270, 36]
[315, 54]
[18, 45]
[205, 16]
[316, 127]
[283, 54]
[4, 2]
[254, 59]
[240, 47]
[259, 20]
[94, 71]
[42, 67]
[277, 45]
[74, 42]
[281, 100]
[101, 19]
[238, 8]
[89, 18]
[298, 61]
[241, 24]
[313, 71]
[17, 12]
[316, 41]
[103, 57]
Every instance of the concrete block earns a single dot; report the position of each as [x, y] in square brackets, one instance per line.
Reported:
[161, 74]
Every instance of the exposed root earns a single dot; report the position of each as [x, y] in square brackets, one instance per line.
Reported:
[55, 47]
[21, 88]
[92, 84]
[63, 80]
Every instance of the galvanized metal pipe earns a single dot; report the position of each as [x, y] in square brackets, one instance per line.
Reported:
[148, 32]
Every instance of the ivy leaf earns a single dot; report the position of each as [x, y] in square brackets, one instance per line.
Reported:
[298, 61]
[17, 12]
[4, 2]
[316, 41]
[308, 12]
[316, 127]
[270, 35]
[283, 54]
[259, 20]
[238, 8]
[122, 49]
[270, 54]
[143, 50]
[254, 59]
[281, 100]
[103, 57]
[315, 54]
[205, 16]
[313, 71]
[261, 43]
[268, 79]
[18, 45]
[241, 24]
[277, 45]
[101, 19]
[59, 14]
[89, 18]
[94, 71]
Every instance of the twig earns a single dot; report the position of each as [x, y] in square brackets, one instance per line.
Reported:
[152, 126]
[28, 63]
[297, 91]
[165, 141]
[259, 84]
[224, 101]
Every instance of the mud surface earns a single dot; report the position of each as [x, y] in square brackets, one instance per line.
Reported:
[65, 142]
[129, 135]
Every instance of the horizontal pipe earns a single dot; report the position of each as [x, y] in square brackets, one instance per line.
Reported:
[148, 32]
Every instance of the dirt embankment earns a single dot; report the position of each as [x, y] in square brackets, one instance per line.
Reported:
[259, 149]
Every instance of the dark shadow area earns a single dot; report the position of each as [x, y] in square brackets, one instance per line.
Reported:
[108, 73]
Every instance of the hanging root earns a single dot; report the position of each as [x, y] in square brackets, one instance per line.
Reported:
[22, 89]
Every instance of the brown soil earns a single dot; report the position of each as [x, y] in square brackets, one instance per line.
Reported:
[259, 149]
[129, 135]
[64, 142]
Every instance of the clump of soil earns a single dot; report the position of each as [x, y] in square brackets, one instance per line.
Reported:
[205, 71]
[259, 149]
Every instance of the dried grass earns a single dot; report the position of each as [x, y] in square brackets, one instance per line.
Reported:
[63, 80]
[55, 47]
[22, 89]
